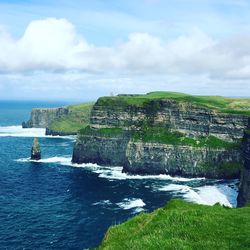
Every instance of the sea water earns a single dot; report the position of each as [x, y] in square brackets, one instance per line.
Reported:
[54, 204]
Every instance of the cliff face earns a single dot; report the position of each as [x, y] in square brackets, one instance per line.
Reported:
[42, 117]
[156, 158]
[188, 139]
[244, 189]
[177, 116]
[103, 150]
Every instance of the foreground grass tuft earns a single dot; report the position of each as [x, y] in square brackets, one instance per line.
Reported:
[182, 225]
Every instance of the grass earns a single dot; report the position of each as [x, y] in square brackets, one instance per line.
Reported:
[218, 103]
[163, 135]
[182, 225]
[78, 118]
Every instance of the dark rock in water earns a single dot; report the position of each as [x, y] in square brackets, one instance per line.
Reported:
[244, 188]
[25, 125]
[35, 151]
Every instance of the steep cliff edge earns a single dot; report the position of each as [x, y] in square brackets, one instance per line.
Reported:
[60, 121]
[166, 133]
[244, 189]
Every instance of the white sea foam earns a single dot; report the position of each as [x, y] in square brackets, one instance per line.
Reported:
[224, 194]
[103, 203]
[207, 195]
[134, 203]
[111, 173]
[116, 173]
[18, 131]
[66, 161]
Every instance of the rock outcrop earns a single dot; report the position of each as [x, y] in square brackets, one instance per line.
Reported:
[244, 189]
[148, 155]
[35, 151]
[42, 117]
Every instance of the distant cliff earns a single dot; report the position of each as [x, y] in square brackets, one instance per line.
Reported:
[244, 189]
[60, 121]
[165, 132]
[43, 117]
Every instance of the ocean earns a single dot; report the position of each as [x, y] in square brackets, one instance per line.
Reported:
[54, 204]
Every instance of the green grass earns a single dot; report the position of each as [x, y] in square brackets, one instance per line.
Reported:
[77, 118]
[101, 131]
[182, 225]
[218, 103]
[163, 135]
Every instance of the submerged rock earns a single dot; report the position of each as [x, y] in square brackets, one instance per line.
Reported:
[35, 151]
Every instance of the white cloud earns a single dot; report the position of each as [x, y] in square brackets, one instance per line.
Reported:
[54, 45]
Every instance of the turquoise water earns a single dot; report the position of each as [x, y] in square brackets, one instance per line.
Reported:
[53, 204]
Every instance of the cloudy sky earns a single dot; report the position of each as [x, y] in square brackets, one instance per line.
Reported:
[81, 49]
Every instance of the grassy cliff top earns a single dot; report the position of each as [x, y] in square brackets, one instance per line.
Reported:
[219, 103]
[183, 225]
[77, 118]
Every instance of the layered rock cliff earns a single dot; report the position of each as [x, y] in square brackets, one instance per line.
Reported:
[60, 121]
[43, 117]
[244, 188]
[180, 136]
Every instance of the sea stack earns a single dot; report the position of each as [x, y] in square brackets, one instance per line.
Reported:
[35, 151]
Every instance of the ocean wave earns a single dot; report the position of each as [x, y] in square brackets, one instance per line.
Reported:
[111, 173]
[224, 194]
[132, 203]
[18, 131]
[103, 203]
[117, 174]
[62, 160]
[207, 195]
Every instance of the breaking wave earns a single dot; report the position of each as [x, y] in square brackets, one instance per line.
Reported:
[132, 203]
[207, 195]
[114, 173]
[224, 194]
[18, 131]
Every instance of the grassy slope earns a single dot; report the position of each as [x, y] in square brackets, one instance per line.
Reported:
[77, 118]
[219, 103]
[162, 135]
[182, 225]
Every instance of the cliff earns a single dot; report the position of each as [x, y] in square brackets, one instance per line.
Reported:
[182, 225]
[166, 133]
[60, 121]
[43, 117]
[244, 188]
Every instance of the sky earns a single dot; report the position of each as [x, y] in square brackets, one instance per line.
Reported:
[79, 50]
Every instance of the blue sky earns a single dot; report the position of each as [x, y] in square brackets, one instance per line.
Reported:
[79, 50]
